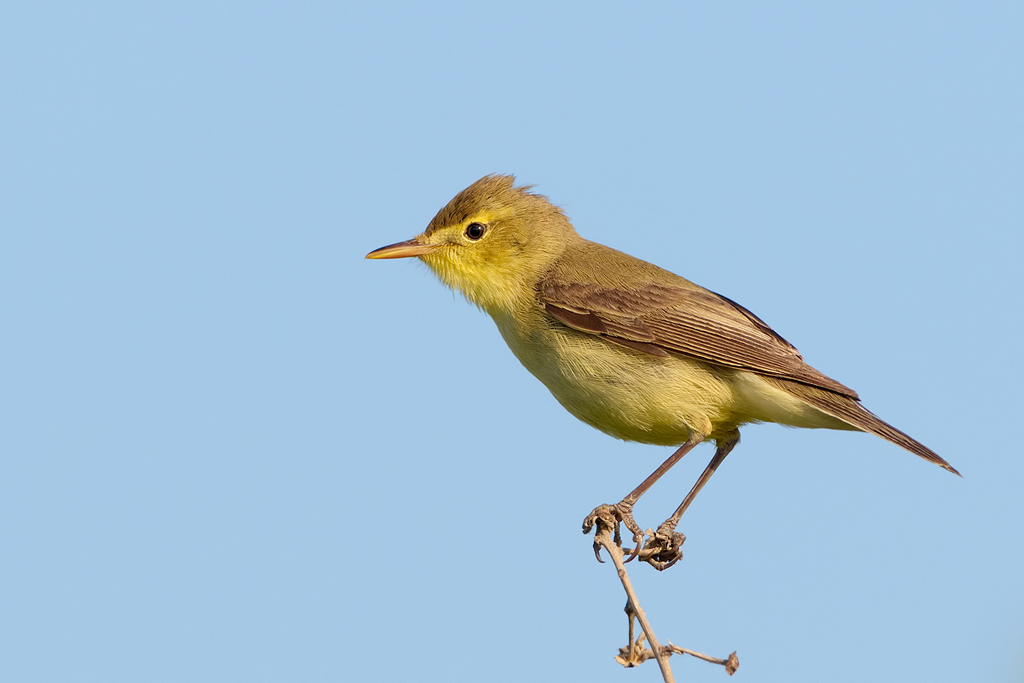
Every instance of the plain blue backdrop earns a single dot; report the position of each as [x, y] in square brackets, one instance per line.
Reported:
[233, 450]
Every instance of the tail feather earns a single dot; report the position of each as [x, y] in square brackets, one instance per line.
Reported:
[851, 411]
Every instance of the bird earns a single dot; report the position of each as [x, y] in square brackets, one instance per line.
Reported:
[634, 350]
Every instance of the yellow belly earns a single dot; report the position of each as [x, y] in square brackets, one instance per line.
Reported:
[635, 396]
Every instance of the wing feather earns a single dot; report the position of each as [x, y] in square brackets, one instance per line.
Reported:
[656, 318]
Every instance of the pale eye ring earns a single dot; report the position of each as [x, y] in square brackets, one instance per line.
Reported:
[475, 231]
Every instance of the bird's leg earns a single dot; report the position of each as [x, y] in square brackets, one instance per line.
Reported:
[664, 548]
[622, 512]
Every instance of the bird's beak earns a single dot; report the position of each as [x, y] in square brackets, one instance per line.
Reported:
[404, 250]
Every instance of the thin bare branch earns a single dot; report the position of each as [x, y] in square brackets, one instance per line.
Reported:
[635, 653]
[731, 663]
[603, 535]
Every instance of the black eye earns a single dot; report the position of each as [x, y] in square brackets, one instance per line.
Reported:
[475, 231]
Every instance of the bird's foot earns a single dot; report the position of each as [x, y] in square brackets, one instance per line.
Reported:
[663, 548]
[611, 516]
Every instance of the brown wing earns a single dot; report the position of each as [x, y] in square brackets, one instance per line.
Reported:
[688, 320]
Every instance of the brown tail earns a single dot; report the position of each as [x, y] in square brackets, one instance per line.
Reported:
[850, 410]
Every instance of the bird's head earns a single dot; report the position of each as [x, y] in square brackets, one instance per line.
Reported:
[492, 242]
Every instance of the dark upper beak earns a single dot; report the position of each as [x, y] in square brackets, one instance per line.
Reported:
[403, 250]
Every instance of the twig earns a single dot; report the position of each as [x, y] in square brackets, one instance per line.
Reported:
[604, 537]
[635, 653]
[730, 664]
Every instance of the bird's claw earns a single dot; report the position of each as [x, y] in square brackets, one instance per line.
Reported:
[663, 548]
[611, 516]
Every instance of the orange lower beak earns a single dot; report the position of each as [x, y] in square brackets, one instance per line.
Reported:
[403, 250]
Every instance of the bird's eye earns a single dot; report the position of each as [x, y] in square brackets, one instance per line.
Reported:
[475, 231]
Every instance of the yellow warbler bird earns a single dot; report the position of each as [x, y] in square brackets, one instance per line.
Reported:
[629, 348]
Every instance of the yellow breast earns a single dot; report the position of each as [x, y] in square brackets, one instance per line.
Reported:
[625, 393]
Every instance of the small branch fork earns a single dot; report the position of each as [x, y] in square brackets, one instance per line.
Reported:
[635, 653]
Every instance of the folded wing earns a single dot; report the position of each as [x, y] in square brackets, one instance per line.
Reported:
[656, 319]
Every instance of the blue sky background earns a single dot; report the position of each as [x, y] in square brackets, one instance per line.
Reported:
[233, 450]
